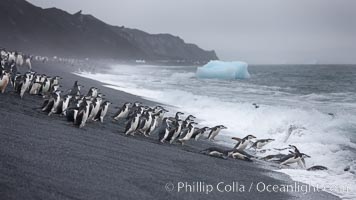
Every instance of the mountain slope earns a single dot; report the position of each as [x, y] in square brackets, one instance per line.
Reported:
[56, 32]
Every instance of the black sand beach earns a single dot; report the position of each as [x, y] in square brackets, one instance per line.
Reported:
[47, 158]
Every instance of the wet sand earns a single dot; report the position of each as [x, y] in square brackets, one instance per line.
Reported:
[47, 158]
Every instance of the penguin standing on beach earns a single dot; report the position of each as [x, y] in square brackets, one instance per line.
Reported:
[215, 131]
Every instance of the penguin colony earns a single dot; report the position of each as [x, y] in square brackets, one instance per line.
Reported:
[80, 109]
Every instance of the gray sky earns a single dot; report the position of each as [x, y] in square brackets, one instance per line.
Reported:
[255, 31]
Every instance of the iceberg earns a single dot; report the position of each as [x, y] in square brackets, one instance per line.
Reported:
[224, 70]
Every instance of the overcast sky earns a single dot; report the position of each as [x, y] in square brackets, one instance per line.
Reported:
[256, 31]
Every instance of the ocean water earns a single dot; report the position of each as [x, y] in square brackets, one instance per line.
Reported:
[301, 96]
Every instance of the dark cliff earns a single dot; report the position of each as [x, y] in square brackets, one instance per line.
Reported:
[55, 32]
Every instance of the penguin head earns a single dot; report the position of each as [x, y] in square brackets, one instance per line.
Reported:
[179, 113]
[205, 128]
[303, 155]
[250, 137]
[292, 147]
[191, 117]
[270, 140]
[222, 127]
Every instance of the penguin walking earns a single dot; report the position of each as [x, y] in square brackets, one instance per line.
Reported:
[215, 131]
[102, 111]
[25, 85]
[48, 104]
[81, 115]
[198, 133]
[93, 92]
[46, 86]
[145, 122]
[95, 107]
[63, 105]
[189, 133]
[36, 85]
[57, 99]
[164, 129]
[133, 124]
[174, 132]
[123, 111]
[242, 143]
[153, 125]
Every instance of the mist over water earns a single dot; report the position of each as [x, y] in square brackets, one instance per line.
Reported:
[303, 96]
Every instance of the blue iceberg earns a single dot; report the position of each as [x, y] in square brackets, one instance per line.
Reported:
[224, 70]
